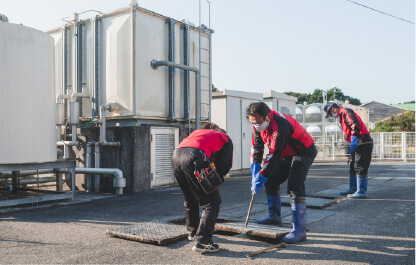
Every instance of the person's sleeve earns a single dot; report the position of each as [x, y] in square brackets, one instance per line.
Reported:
[279, 142]
[352, 122]
[257, 148]
[224, 161]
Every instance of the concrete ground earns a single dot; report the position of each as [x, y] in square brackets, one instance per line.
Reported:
[376, 230]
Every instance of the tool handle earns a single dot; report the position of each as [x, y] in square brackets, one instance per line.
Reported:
[249, 209]
[255, 253]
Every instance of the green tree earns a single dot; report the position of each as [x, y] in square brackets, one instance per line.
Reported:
[214, 89]
[317, 96]
[404, 122]
[302, 97]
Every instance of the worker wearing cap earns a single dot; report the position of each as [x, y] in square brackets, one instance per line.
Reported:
[195, 153]
[360, 148]
[291, 153]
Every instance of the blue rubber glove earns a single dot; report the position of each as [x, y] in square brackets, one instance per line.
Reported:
[254, 168]
[257, 183]
[354, 144]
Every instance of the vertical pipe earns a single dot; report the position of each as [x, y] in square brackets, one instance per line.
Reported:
[78, 53]
[65, 69]
[171, 70]
[97, 165]
[15, 181]
[59, 183]
[210, 60]
[198, 77]
[95, 102]
[73, 179]
[74, 132]
[133, 56]
[88, 165]
[103, 126]
[186, 73]
[197, 100]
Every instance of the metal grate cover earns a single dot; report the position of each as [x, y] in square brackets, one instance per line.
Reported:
[254, 229]
[151, 232]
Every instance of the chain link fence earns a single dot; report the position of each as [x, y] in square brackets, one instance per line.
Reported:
[387, 145]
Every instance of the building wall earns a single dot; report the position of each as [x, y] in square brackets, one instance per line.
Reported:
[381, 111]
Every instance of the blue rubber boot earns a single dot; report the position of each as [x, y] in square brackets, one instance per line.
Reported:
[274, 204]
[299, 224]
[362, 182]
[353, 185]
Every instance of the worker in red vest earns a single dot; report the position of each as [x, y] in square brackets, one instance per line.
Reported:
[194, 154]
[360, 148]
[291, 153]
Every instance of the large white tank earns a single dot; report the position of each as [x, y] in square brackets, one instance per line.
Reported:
[314, 130]
[313, 114]
[146, 96]
[27, 123]
[332, 129]
[299, 115]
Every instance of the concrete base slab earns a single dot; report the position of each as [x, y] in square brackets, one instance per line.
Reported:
[267, 231]
[32, 201]
[151, 232]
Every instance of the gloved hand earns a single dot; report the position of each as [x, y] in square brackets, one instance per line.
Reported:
[257, 183]
[254, 168]
[354, 144]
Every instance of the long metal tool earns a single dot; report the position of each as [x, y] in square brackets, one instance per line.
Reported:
[255, 253]
[249, 209]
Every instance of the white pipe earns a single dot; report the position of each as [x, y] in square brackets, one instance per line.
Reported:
[119, 182]
[8, 174]
[60, 98]
[110, 107]
[88, 164]
[77, 95]
[97, 165]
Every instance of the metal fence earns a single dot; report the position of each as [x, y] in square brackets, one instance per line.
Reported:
[387, 145]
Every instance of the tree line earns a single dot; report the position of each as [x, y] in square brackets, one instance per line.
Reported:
[318, 97]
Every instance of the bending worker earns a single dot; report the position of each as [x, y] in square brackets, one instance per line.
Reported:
[292, 152]
[191, 155]
[360, 149]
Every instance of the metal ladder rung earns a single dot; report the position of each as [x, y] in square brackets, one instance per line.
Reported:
[206, 76]
[205, 49]
[205, 36]
[204, 103]
[204, 62]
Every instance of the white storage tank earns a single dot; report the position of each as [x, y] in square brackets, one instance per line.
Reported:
[332, 129]
[313, 114]
[112, 55]
[27, 124]
[314, 130]
[299, 115]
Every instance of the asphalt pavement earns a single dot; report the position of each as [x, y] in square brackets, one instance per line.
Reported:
[377, 230]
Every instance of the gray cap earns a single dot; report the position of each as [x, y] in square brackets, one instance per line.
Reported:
[328, 107]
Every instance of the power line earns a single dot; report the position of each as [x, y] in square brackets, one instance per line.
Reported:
[381, 12]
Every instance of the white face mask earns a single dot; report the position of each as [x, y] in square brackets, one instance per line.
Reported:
[334, 115]
[261, 127]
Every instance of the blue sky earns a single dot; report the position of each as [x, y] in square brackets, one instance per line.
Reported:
[296, 45]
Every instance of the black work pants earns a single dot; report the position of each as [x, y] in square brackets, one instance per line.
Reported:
[295, 171]
[183, 162]
[361, 157]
